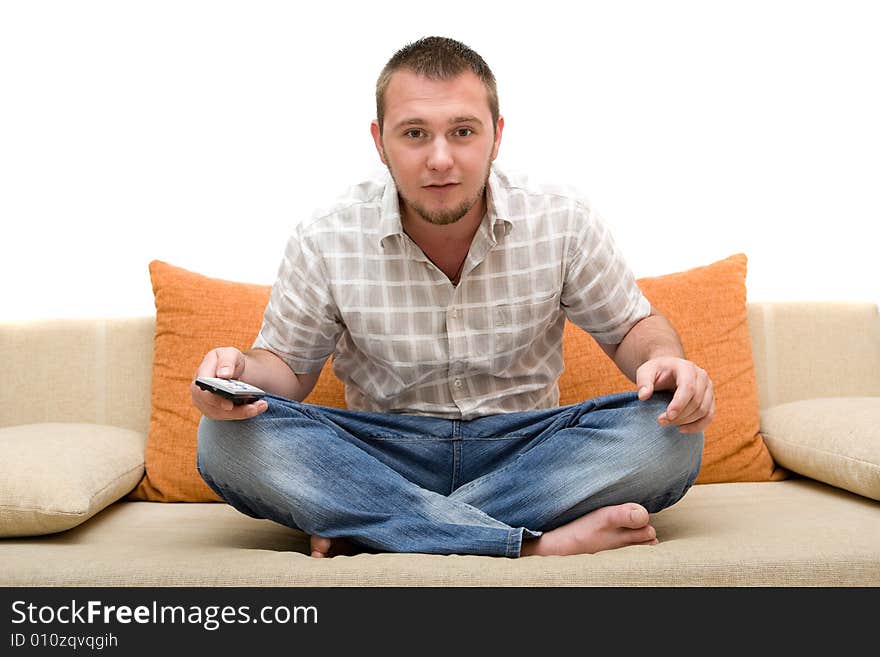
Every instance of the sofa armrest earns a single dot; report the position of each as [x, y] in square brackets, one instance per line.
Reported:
[77, 370]
[835, 440]
[810, 349]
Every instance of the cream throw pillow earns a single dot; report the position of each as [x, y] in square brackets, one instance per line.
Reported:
[835, 440]
[54, 476]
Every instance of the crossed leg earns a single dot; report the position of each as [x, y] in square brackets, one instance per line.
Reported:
[566, 488]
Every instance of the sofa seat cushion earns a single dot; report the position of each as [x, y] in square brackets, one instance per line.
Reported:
[790, 533]
[832, 439]
[55, 475]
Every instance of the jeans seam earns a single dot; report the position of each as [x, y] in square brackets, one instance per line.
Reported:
[398, 439]
[456, 455]
[303, 408]
[508, 436]
[512, 550]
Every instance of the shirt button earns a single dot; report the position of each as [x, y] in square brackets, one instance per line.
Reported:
[457, 383]
[454, 314]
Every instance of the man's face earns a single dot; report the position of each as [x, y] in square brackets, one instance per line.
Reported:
[438, 143]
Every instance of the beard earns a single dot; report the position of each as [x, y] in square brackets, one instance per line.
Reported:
[444, 217]
[448, 216]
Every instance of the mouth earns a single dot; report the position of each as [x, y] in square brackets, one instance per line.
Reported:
[440, 187]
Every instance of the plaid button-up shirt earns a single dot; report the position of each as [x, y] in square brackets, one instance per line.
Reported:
[404, 339]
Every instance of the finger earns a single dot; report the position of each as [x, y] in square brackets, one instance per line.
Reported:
[697, 407]
[703, 402]
[200, 398]
[246, 411]
[206, 399]
[684, 393]
[255, 408]
[703, 418]
[227, 363]
[212, 401]
[646, 376]
[208, 366]
[695, 427]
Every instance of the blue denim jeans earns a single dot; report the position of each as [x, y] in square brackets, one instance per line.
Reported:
[409, 483]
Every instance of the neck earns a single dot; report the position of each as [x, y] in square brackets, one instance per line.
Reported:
[447, 245]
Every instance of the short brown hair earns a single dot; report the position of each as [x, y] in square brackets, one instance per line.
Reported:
[437, 58]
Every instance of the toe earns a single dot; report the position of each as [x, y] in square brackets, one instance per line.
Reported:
[636, 516]
[319, 545]
[644, 534]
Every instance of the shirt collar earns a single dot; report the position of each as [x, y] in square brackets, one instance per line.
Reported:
[497, 204]
[496, 208]
[389, 223]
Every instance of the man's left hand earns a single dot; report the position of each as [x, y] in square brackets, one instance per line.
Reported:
[693, 404]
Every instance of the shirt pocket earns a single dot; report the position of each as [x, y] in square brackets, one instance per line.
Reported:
[518, 325]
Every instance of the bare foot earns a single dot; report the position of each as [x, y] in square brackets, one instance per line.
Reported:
[331, 547]
[603, 529]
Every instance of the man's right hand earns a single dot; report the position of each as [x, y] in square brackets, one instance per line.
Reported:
[224, 363]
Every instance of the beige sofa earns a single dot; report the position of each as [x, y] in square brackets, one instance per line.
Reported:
[86, 383]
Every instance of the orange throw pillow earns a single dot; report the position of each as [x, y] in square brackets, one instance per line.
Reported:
[707, 306]
[195, 314]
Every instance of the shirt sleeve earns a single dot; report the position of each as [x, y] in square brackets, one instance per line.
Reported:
[600, 293]
[301, 322]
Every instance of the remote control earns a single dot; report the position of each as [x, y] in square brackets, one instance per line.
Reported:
[238, 391]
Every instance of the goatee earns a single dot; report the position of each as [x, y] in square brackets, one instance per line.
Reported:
[446, 217]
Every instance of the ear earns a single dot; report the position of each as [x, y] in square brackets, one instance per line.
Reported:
[377, 140]
[499, 128]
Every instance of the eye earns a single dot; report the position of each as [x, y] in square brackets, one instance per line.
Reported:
[463, 132]
[415, 133]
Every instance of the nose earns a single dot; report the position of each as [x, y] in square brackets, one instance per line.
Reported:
[440, 155]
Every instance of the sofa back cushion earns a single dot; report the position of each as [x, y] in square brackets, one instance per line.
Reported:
[194, 314]
[707, 305]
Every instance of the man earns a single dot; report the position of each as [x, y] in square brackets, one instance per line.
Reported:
[442, 291]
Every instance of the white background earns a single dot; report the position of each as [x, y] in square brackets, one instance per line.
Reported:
[199, 132]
